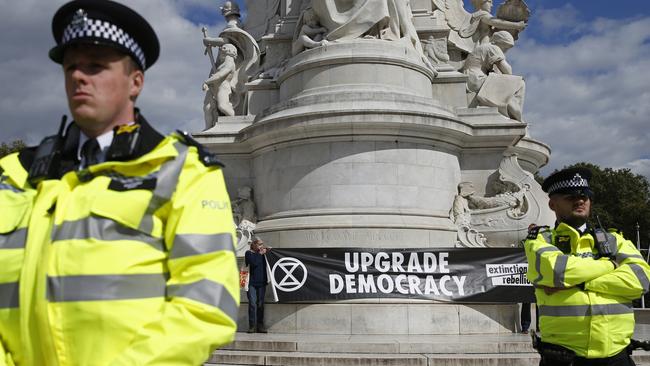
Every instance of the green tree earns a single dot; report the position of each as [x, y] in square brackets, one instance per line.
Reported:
[622, 199]
[6, 149]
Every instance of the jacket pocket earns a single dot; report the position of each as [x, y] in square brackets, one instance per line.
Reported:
[13, 209]
[126, 208]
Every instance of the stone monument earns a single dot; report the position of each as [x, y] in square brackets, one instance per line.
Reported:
[383, 124]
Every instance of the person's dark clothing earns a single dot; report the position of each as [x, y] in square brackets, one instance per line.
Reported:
[257, 263]
[256, 288]
[525, 316]
[623, 358]
[255, 296]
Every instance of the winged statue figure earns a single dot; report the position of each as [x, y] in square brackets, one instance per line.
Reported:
[471, 29]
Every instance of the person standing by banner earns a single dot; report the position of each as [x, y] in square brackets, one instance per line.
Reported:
[586, 279]
[256, 260]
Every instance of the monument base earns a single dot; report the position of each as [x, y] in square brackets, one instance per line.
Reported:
[387, 317]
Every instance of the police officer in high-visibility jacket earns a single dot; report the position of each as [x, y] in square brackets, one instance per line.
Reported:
[116, 243]
[586, 279]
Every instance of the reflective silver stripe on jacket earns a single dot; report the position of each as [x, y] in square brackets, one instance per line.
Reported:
[620, 257]
[13, 240]
[186, 245]
[585, 310]
[207, 292]
[538, 259]
[93, 227]
[7, 187]
[105, 287]
[168, 176]
[8, 295]
[641, 275]
[559, 269]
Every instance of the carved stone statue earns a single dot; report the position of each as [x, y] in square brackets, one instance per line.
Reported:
[245, 234]
[436, 50]
[230, 11]
[460, 212]
[461, 215]
[350, 19]
[244, 212]
[238, 59]
[467, 200]
[470, 30]
[220, 83]
[244, 208]
[504, 200]
[499, 218]
[381, 19]
[309, 33]
[490, 77]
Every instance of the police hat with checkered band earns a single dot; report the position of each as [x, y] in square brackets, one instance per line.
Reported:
[106, 23]
[568, 181]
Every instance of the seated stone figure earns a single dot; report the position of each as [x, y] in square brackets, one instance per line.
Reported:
[490, 77]
[389, 20]
[244, 208]
[311, 34]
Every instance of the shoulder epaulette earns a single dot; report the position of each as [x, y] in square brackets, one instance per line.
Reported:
[207, 158]
[26, 156]
[533, 231]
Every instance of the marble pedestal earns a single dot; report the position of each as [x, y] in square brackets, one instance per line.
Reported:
[356, 144]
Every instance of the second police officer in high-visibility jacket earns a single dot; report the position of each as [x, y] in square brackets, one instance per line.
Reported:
[116, 242]
[586, 279]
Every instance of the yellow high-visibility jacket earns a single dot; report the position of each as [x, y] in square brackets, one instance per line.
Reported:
[124, 263]
[598, 321]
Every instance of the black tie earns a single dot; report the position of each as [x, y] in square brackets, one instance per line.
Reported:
[90, 152]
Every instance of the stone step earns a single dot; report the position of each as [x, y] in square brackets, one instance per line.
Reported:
[314, 358]
[370, 350]
[382, 344]
[231, 358]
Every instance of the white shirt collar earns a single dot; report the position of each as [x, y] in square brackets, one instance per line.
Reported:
[582, 229]
[104, 140]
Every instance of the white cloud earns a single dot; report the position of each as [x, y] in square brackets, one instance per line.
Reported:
[563, 19]
[589, 99]
[640, 166]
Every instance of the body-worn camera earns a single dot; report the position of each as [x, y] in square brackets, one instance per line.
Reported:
[48, 156]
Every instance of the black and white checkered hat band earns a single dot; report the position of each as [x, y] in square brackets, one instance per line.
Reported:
[576, 182]
[92, 28]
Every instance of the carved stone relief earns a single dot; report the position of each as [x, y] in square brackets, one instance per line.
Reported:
[512, 205]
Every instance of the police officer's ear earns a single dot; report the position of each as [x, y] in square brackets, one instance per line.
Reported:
[136, 77]
[551, 203]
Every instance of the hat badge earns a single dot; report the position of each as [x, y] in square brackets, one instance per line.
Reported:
[79, 19]
[577, 179]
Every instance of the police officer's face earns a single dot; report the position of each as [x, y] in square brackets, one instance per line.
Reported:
[573, 209]
[101, 87]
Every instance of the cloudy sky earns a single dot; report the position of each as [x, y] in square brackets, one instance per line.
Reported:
[586, 64]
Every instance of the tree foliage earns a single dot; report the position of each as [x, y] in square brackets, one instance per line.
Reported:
[621, 200]
[6, 149]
